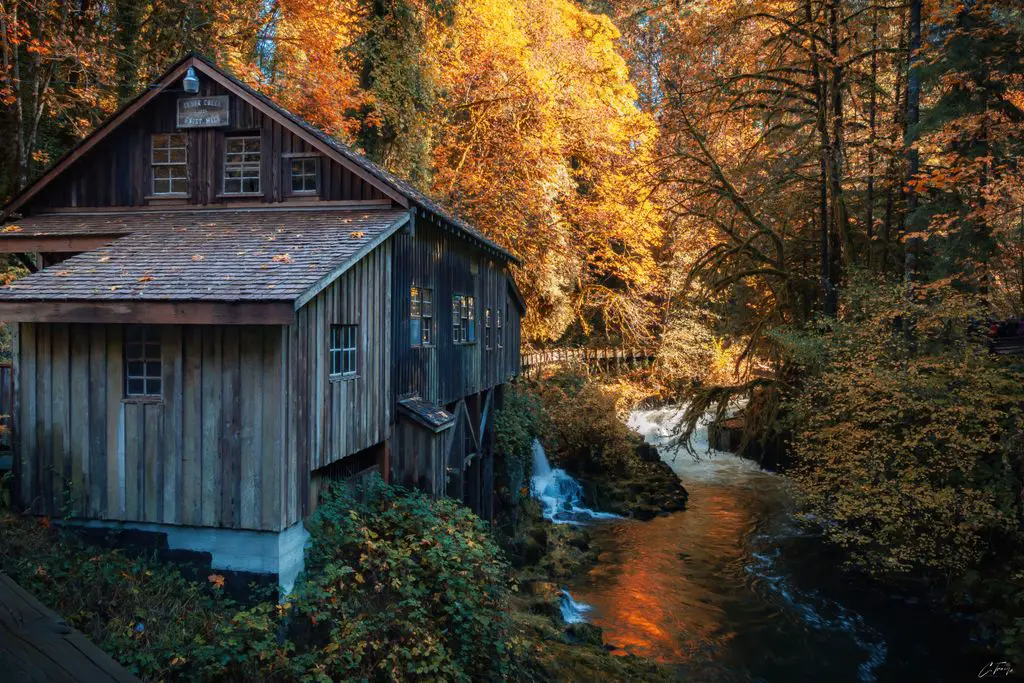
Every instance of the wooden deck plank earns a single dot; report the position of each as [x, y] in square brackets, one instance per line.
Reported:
[37, 645]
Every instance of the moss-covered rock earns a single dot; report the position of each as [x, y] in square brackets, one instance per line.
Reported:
[582, 632]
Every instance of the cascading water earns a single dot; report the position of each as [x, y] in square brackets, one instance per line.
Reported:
[572, 611]
[559, 493]
[733, 589]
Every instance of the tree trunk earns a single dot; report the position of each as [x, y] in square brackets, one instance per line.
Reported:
[913, 118]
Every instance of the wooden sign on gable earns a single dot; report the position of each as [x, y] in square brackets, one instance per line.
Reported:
[203, 112]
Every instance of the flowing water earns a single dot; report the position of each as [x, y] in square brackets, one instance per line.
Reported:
[732, 589]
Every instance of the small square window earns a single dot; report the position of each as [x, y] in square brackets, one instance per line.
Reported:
[343, 350]
[142, 361]
[304, 175]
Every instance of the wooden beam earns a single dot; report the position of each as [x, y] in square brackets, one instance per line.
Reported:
[56, 243]
[311, 205]
[153, 312]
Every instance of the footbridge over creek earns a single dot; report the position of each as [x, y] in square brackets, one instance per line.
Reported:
[611, 359]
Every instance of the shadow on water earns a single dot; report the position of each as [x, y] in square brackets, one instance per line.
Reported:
[731, 589]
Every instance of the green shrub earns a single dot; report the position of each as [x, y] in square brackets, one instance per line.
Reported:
[585, 430]
[516, 425]
[144, 613]
[398, 587]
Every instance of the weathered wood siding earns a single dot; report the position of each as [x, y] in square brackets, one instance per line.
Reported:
[419, 458]
[210, 452]
[117, 171]
[330, 418]
[447, 264]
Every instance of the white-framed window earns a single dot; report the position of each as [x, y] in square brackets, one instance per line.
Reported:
[242, 164]
[463, 319]
[343, 350]
[303, 172]
[143, 374]
[169, 160]
[421, 316]
[487, 328]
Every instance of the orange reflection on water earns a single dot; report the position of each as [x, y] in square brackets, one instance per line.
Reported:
[651, 589]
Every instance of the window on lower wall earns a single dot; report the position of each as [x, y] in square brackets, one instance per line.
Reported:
[463, 319]
[343, 350]
[142, 362]
[500, 333]
[487, 329]
[421, 316]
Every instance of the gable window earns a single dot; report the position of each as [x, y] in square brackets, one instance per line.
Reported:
[343, 348]
[463, 319]
[242, 164]
[500, 331]
[421, 316]
[304, 175]
[487, 329]
[169, 159]
[142, 369]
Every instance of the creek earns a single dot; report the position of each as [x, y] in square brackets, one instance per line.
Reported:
[734, 589]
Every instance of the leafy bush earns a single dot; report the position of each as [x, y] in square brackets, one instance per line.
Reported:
[516, 425]
[399, 586]
[147, 615]
[904, 440]
[586, 431]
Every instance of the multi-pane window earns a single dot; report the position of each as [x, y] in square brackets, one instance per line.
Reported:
[142, 372]
[463, 319]
[500, 330]
[242, 164]
[421, 316]
[343, 349]
[303, 172]
[170, 163]
[487, 329]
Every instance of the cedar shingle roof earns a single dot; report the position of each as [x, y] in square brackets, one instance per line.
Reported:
[205, 255]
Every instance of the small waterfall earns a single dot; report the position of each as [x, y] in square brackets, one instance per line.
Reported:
[572, 611]
[559, 493]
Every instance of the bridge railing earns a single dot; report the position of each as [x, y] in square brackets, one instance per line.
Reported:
[534, 361]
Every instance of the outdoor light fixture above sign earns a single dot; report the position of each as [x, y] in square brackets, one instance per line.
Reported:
[203, 112]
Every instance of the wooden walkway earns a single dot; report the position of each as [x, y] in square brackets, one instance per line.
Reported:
[37, 645]
[599, 359]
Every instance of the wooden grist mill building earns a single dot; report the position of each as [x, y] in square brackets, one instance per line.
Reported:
[229, 308]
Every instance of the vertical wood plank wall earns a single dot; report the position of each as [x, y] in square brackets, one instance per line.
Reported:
[332, 418]
[446, 371]
[117, 172]
[210, 452]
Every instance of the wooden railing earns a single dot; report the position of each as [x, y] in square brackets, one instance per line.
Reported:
[617, 358]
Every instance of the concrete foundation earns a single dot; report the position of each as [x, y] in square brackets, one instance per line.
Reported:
[280, 554]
